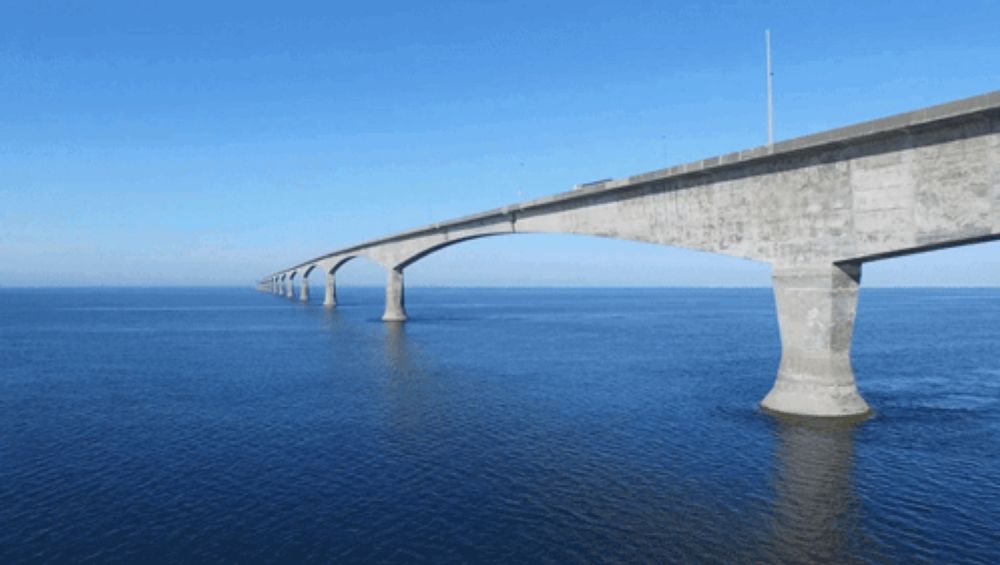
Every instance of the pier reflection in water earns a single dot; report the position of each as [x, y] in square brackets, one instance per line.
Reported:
[397, 353]
[817, 513]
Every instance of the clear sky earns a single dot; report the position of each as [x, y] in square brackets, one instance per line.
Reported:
[213, 142]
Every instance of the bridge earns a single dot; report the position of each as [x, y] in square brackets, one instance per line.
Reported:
[816, 208]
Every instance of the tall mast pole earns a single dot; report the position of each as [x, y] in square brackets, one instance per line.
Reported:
[770, 90]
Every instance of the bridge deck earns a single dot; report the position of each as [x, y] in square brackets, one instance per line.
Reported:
[905, 122]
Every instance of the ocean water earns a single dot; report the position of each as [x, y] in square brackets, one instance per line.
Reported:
[504, 426]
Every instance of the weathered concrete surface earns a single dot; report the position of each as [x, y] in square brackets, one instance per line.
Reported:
[816, 308]
[304, 290]
[330, 296]
[395, 303]
[824, 203]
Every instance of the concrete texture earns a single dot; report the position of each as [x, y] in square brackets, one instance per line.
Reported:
[395, 302]
[816, 308]
[330, 296]
[304, 290]
[816, 208]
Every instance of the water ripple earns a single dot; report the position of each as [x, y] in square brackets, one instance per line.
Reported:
[544, 426]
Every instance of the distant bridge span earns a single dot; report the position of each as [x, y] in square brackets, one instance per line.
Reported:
[816, 208]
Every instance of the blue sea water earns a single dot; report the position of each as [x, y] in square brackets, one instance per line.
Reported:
[505, 426]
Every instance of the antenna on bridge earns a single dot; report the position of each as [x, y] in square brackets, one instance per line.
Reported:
[770, 90]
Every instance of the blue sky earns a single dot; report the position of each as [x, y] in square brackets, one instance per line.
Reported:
[213, 142]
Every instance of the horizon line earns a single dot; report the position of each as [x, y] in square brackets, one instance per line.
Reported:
[484, 287]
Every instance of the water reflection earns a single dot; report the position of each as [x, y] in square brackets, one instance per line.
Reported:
[412, 398]
[816, 510]
[397, 352]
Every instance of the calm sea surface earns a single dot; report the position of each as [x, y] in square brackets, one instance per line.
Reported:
[505, 426]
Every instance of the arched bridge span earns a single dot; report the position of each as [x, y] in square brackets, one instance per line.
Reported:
[816, 208]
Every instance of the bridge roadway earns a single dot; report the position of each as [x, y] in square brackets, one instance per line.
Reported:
[816, 208]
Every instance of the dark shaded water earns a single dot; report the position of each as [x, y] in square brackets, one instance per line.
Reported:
[497, 425]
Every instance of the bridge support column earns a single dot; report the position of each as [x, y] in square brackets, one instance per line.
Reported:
[395, 310]
[816, 308]
[304, 290]
[290, 289]
[330, 298]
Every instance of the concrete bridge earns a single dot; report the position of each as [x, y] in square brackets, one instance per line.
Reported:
[816, 208]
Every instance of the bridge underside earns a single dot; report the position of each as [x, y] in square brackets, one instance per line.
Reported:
[816, 209]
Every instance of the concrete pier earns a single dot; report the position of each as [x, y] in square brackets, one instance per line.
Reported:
[816, 308]
[304, 290]
[330, 296]
[395, 303]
